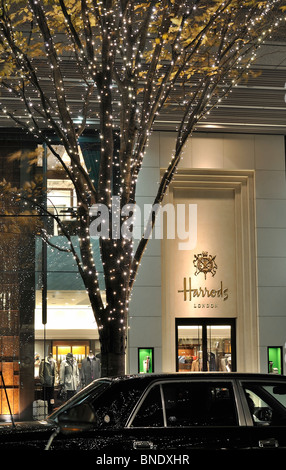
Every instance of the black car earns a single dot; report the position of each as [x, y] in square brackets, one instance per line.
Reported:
[164, 412]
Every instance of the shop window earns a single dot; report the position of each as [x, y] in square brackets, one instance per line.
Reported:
[80, 350]
[9, 350]
[61, 201]
[145, 360]
[275, 360]
[205, 345]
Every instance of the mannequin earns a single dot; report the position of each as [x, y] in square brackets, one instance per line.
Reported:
[48, 374]
[37, 363]
[90, 369]
[69, 375]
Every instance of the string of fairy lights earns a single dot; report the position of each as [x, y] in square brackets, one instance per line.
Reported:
[129, 63]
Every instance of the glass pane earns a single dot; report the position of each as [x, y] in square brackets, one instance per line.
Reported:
[16, 304]
[200, 404]
[150, 413]
[266, 403]
[219, 347]
[275, 360]
[113, 407]
[190, 348]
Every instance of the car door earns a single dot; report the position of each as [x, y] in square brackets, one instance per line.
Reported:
[188, 414]
[265, 404]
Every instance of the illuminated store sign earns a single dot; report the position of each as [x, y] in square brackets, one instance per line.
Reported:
[204, 264]
[190, 294]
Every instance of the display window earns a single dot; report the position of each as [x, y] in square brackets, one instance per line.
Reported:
[146, 360]
[79, 349]
[205, 345]
[275, 359]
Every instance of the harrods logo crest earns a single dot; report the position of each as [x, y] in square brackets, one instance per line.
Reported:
[205, 263]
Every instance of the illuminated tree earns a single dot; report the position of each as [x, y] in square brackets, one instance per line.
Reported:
[134, 59]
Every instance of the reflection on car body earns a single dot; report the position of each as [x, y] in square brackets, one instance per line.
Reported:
[169, 412]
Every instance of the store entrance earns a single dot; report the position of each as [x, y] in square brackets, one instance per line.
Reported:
[205, 344]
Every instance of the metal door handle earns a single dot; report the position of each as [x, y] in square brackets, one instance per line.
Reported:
[143, 445]
[271, 442]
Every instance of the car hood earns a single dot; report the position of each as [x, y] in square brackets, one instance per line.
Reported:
[24, 426]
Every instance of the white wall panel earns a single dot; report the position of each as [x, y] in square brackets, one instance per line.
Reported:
[266, 155]
[271, 213]
[269, 152]
[272, 301]
[238, 152]
[270, 184]
[145, 301]
[271, 242]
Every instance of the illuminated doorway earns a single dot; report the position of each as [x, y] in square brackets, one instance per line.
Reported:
[205, 345]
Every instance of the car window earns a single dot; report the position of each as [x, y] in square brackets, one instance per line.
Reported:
[150, 413]
[113, 407]
[89, 393]
[200, 404]
[187, 403]
[267, 403]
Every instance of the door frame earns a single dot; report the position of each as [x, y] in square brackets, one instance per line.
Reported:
[244, 306]
[204, 323]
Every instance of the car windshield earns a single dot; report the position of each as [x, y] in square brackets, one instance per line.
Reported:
[91, 391]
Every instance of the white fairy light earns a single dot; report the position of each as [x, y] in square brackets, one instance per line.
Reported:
[131, 86]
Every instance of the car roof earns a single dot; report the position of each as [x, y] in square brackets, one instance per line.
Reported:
[149, 377]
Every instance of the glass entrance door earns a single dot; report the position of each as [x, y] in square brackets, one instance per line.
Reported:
[205, 345]
[189, 348]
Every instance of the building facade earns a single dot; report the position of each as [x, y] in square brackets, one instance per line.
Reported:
[211, 287]
[235, 309]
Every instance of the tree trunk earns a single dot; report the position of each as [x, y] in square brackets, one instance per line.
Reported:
[112, 364]
[113, 338]
[111, 315]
